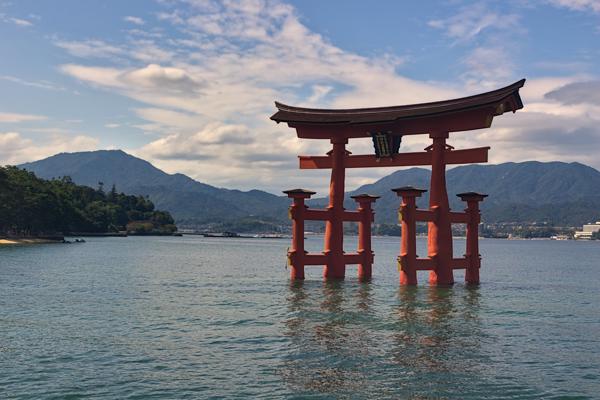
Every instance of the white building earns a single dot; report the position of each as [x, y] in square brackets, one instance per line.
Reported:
[587, 231]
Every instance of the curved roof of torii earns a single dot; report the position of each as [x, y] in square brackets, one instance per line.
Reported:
[480, 109]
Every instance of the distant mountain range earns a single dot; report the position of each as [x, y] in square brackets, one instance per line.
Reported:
[555, 192]
[532, 191]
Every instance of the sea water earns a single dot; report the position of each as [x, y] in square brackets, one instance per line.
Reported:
[199, 318]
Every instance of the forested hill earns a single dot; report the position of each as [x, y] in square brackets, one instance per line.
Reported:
[189, 201]
[32, 206]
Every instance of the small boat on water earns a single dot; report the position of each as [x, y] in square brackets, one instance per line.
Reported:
[272, 236]
[224, 235]
[237, 235]
[74, 241]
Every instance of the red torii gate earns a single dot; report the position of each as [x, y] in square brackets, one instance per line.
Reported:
[386, 125]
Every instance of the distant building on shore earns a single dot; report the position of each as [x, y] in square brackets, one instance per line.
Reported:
[588, 231]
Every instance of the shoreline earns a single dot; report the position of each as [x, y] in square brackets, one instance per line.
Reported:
[10, 241]
[14, 241]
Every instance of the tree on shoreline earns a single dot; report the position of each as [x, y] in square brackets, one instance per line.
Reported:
[32, 206]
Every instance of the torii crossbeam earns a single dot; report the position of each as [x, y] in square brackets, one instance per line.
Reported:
[386, 126]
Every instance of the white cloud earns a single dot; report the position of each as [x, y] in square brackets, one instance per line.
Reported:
[152, 34]
[134, 20]
[473, 20]
[37, 84]
[16, 118]
[488, 67]
[17, 149]
[491, 39]
[12, 143]
[148, 51]
[98, 75]
[16, 21]
[577, 93]
[168, 120]
[20, 22]
[112, 125]
[212, 142]
[153, 78]
[216, 143]
[319, 92]
[90, 48]
[579, 5]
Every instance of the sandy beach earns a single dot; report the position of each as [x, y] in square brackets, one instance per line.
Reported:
[4, 241]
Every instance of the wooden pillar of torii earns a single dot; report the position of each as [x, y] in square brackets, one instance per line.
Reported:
[386, 126]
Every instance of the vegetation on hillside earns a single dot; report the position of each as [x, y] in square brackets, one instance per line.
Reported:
[32, 206]
[193, 204]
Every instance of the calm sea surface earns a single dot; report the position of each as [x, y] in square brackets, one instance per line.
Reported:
[193, 317]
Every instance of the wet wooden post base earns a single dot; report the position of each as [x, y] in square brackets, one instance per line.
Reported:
[297, 210]
[365, 268]
[407, 261]
[472, 250]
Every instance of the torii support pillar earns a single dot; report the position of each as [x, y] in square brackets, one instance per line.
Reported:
[334, 227]
[407, 262]
[296, 255]
[440, 228]
[365, 268]
[472, 251]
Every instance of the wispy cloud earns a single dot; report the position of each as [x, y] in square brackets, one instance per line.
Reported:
[473, 20]
[577, 93]
[490, 40]
[15, 21]
[168, 120]
[205, 144]
[488, 67]
[148, 51]
[16, 118]
[20, 21]
[16, 148]
[318, 93]
[579, 5]
[90, 48]
[134, 20]
[37, 84]
[151, 80]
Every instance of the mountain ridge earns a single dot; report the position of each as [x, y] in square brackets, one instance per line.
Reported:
[176, 192]
[530, 191]
[555, 192]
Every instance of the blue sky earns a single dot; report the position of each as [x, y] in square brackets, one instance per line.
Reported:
[189, 84]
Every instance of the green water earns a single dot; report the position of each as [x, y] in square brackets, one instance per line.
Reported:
[192, 317]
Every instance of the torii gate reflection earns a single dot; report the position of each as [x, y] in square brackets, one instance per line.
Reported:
[386, 126]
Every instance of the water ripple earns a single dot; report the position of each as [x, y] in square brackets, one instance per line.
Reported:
[143, 318]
